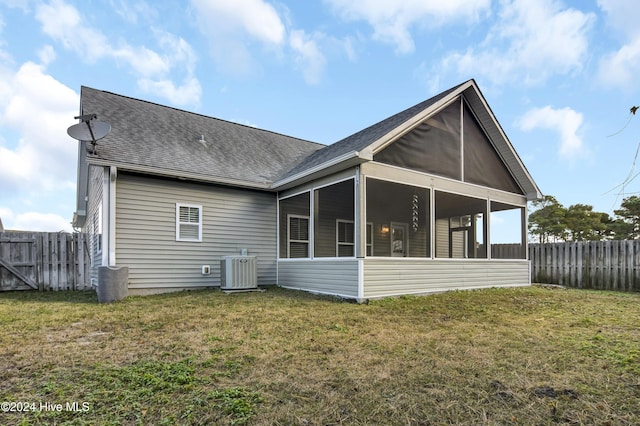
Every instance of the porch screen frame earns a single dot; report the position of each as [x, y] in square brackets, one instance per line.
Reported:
[412, 208]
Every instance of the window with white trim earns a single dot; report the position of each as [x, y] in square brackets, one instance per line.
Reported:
[298, 236]
[345, 238]
[369, 239]
[188, 222]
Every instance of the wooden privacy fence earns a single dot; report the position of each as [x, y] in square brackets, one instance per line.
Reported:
[602, 265]
[43, 261]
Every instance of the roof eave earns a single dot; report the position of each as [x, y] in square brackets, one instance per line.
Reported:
[177, 174]
[350, 159]
[534, 196]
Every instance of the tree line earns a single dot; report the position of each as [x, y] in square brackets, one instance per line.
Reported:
[552, 222]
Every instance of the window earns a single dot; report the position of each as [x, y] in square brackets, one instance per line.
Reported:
[369, 239]
[298, 245]
[345, 238]
[188, 222]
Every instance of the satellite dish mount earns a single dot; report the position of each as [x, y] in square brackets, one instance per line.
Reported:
[90, 129]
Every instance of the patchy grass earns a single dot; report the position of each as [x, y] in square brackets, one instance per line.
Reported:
[498, 356]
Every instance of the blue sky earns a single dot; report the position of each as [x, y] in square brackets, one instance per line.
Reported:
[560, 76]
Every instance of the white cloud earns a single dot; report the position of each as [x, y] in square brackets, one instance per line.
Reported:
[39, 109]
[21, 4]
[621, 67]
[392, 21]
[257, 18]
[6, 213]
[565, 122]
[64, 23]
[145, 62]
[180, 95]
[178, 51]
[232, 26]
[531, 41]
[39, 222]
[620, 17]
[308, 56]
[46, 55]
[130, 10]
[37, 158]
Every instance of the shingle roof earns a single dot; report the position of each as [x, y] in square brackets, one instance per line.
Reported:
[364, 138]
[152, 136]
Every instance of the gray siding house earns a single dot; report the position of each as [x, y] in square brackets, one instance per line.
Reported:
[405, 206]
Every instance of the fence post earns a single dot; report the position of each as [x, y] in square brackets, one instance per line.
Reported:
[579, 271]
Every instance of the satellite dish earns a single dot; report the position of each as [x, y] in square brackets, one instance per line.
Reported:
[91, 130]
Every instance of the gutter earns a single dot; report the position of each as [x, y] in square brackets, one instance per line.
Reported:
[322, 169]
[181, 175]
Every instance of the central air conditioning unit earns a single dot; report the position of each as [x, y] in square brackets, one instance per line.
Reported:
[238, 273]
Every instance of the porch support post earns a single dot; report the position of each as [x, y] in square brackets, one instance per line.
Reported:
[360, 228]
[360, 219]
[524, 227]
[487, 229]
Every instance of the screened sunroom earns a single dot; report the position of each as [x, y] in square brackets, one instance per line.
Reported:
[435, 205]
[401, 220]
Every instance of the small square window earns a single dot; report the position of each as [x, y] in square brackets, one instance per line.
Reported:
[188, 222]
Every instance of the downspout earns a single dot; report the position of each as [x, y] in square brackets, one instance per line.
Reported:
[278, 238]
[113, 176]
[104, 220]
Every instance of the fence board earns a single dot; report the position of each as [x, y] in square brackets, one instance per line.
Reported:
[53, 261]
[603, 265]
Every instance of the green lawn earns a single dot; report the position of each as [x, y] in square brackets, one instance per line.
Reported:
[498, 356]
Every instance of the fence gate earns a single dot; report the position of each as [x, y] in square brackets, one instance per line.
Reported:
[18, 266]
[43, 261]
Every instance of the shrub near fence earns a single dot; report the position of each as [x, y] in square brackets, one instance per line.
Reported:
[43, 261]
[601, 265]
